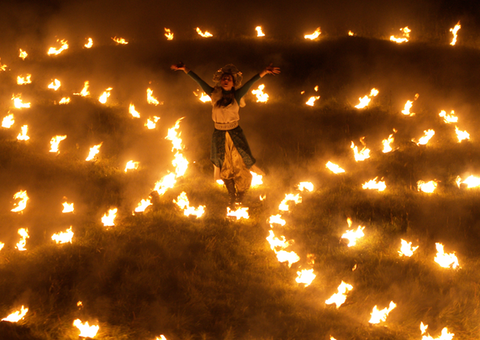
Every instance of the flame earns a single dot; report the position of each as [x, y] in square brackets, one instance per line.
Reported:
[462, 135]
[23, 135]
[444, 336]
[353, 235]
[162, 337]
[408, 106]
[67, 207]
[257, 179]
[144, 204]
[289, 198]
[366, 99]
[23, 54]
[471, 181]
[55, 84]
[131, 165]
[103, 98]
[276, 219]
[349, 222]
[314, 35]
[448, 118]
[184, 204]
[2, 245]
[446, 260]
[282, 255]
[85, 329]
[89, 43]
[406, 35]
[381, 315]
[334, 167]
[120, 41]
[259, 31]
[262, 197]
[203, 97]
[16, 316]
[64, 100]
[63, 237]
[428, 187]
[406, 249]
[8, 121]
[54, 51]
[168, 34]
[312, 100]
[205, 35]
[305, 276]
[23, 80]
[238, 213]
[351, 34]
[23, 242]
[109, 217]
[18, 103]
[261, 96]
[424, 140]
[302, 186]
[3, 67]
[94, 150]
[84, 91]
[55, 141]
[387, 143]
[151, 124]
[22, 204]
[362, 154]
[167, 182]
[340, 297]
[454, 32]
[373, 184]
[151, 99]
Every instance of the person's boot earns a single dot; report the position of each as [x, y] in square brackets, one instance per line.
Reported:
[240, 197]
[230, 184]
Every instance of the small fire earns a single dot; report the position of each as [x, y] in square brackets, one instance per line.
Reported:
[406, 35]
[387, 143]
[152, 123]
[22, 204]
[282, 255]
[94, 150]
[454, 32]
[16, 316]
[144, 204]
[86, 331]
[302, 186]
[289, 198]
[204, 98]
[55, 51]
[54, 85]
[351, 34]
[276, 219]
[167, 182]
[23, 242]
[366, 99]
[2, 245]
[8, 121]
[446, 260]
[381, 315]
[89, 43]
[362, 154]
[261, 96]
[23, 54]
[131, 165]
[334, 168]
[257, 179]
[444, 336]
[428, 134]
[151, 99]
[55, 141]
[103, 98]
[259, 31]
[462, 135]
[63, 237]
[109, 217]
[18, 103]
[471, 181]
[168, 33]
[314, 35]
[23, 80]
[427, 187]
[64, 100]
[305, 276]
[23, 135]
[353, 235]
[311, 100]
[406, 249]
[374, 184]
[84, 91]
[120, 41]
[184, 204]
[408, 106]
[174, 136]
[238, 213]
[204, 35]
[67, 207]
[340, 297]
[448, 118]
[3, 67]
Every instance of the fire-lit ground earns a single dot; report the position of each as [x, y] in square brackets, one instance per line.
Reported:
[160, 272]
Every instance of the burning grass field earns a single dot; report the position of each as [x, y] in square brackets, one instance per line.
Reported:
[159, 272]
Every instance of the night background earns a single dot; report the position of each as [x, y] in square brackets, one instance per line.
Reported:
[160, 273]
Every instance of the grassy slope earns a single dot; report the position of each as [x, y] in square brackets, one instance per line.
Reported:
[162, 273]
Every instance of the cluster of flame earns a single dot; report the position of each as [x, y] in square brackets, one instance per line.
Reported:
[405, 36]
[262, 97]
[408, 106]
[364, 101]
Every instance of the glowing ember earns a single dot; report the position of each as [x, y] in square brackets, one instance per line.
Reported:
[63, 237]
[120, 41]
[374, 184]
[67, 207]
[276, 219]
[302, 186]
[448, 118]
[366, 99]
[471, 181]
[55, 141]
[131, 165]
[305, 276]
[406, 249]
[103, 98]
[18, 103]
[311, 100]
[406, 35]
[23, 54]
[334, 168]
[289, 198]
[94, 150]
[85, 329]
[151, 99]
[428, 187]
[238, 213]
[408, 106]
[168, 34]
[55, 51]
[381, 315]
[184, 204]
[109, 217]
[446, 260]
[84, 91]
[144, 204]
[259, 31]
[22, 204]
[428, 134]
[16, 316]
[167, 182]
[339, 298]
[351, 34]
[64, 100]
[204, 35]
[261, 96]
[89, 43]
[23, 242]
[55, 84]
[152, 123]
[314, 35]
[454, 32]
[8, 121]
[462, 135]
[257, 179]
[353, 235]
[23, 80]
[362, 154]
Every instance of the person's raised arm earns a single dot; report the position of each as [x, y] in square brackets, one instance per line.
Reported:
[205, 87]
[270, 69]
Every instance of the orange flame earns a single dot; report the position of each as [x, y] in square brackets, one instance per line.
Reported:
[374, 184]
[353, 235]
[261, 96]
[18, 103]
[406, 249]
[55, 141]
[340, 297]
[454, 32]
[64, 100]
[63, 237]
[289, 198]
[23, 80]
[314, 35]
[448, 118]
[204, 35]
[308, 186]
[362, 154]
[259, 31]
[131, 165]
[144, 204]
[381, 315]
[424, 140]
[84, 91]
[8, 121]
[85, 329]
[109, 217]
[366, 99]
[462, 135]
[94, 150]
[276, 219]
[89, 43]
[55, 51]
[238, 213]
[305, 276]
[67, 207]
[471, 181]
[23, 54]
[427, 187]
[184, 204]
[23, 242]
[23, 135]
[311, 100]
[22, 204]
[120, 41]
[446, 260]
[334, 168]
[406, 35]
[152, 123]
[55, 84]
[168, 34]
[151, 99]
[16, 316]
[103, 98]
